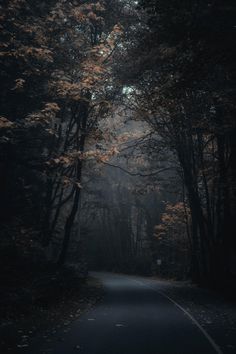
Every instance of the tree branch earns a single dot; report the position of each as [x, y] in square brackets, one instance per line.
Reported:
[138, 173]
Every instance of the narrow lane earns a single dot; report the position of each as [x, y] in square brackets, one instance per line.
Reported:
[133, 318]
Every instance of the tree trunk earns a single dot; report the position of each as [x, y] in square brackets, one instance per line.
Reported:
[68, 228]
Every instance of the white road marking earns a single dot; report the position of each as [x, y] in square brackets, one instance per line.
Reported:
[204, 332]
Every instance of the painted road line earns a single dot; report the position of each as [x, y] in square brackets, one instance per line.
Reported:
[197, 324]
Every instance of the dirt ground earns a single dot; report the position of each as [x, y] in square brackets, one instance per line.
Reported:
[29, 311]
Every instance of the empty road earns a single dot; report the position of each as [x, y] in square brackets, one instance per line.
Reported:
[133, 318]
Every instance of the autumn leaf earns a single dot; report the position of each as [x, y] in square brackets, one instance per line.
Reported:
[19, 84]
[5, 123]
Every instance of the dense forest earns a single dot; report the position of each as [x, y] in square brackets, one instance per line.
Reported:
[118, 138]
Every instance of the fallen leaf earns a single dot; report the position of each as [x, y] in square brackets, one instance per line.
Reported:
[22, 345]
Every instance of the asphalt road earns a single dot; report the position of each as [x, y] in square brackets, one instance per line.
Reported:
[134, 318]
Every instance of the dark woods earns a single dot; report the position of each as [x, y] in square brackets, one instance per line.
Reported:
[63, 67]
[191, 90]
[182, 66]
[50, 66]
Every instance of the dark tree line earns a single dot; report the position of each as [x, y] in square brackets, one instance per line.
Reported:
[66, 65]
[54, 59]
[181, 71]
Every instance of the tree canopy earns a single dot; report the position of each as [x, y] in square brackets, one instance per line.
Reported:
[77, 79]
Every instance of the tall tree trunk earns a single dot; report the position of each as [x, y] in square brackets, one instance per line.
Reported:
[68, 228]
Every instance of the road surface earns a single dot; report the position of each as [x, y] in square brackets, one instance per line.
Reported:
[133, 318]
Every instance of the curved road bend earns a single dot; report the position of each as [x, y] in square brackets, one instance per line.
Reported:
[133, 318]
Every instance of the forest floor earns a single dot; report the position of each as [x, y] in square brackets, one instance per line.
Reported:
[41, 303]
[216, 313]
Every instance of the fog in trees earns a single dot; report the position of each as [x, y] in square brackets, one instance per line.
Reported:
[117, 142]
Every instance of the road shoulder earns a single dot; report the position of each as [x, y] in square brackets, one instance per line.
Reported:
[44, 319]
[215, 313]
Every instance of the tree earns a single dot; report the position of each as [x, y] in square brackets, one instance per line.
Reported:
[55, 59]
[182, 77]
[173, 242]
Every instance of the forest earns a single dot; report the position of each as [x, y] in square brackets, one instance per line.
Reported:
[117, 141]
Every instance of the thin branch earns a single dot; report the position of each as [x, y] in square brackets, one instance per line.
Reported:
[138, 173]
